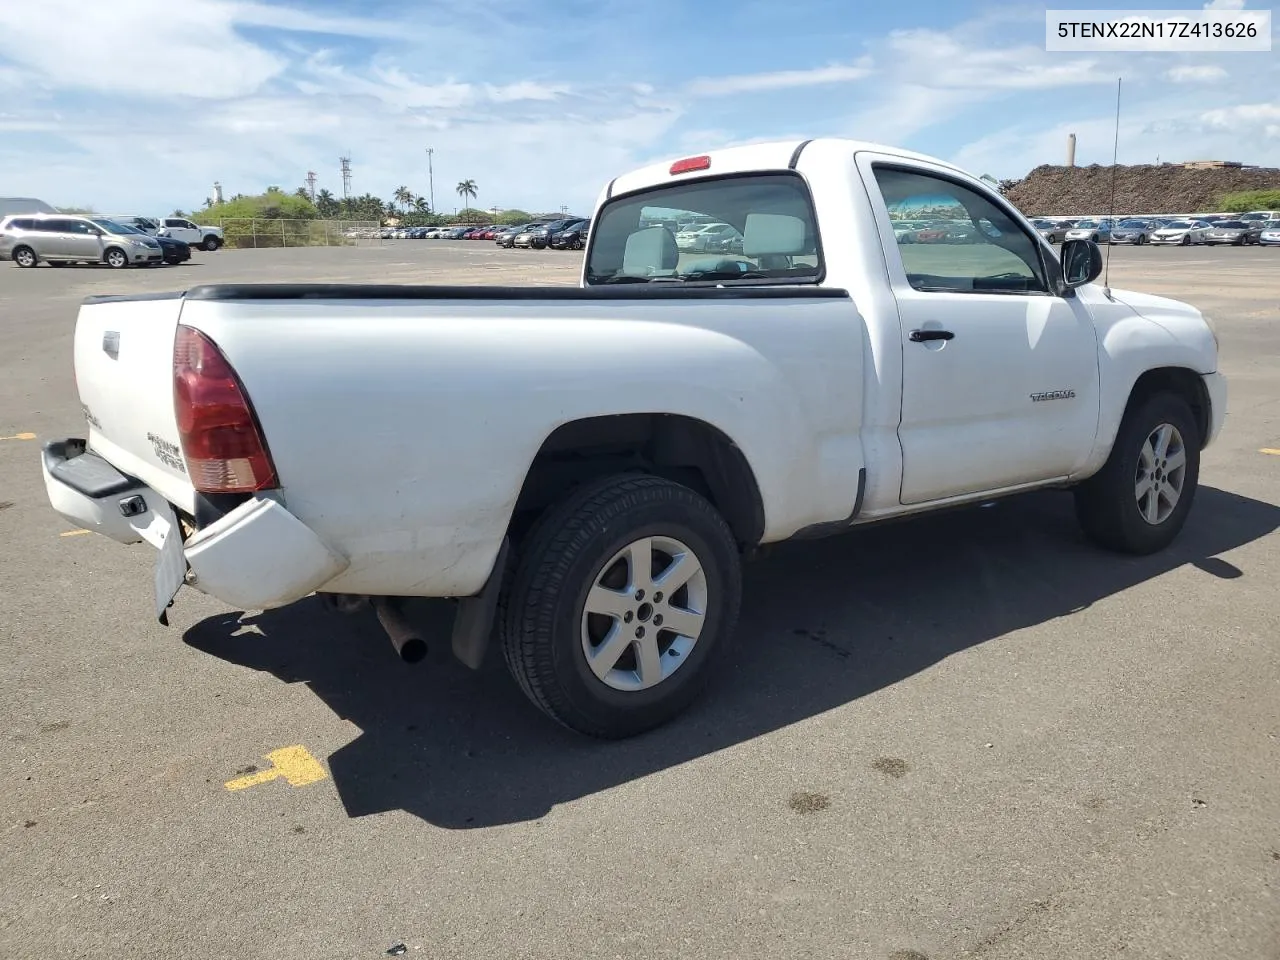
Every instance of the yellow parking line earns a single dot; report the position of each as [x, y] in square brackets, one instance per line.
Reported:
[1270, 450]
[20, 436]
[295, 764]
[73, 533]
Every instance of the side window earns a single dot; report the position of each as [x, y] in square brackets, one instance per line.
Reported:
[189, 225]
[175, 223]
[59, 226]
[79, 226]
[954, 240]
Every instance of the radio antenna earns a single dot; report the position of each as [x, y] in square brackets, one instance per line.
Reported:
[1111, 213]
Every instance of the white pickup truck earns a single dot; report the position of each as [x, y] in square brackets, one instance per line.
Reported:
[180, 228]
[583, 468]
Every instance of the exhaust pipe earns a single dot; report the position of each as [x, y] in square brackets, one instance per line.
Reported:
[404, 637]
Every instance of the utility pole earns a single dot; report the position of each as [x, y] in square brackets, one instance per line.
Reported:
[431, 179]
[346, 177]
[311, 184]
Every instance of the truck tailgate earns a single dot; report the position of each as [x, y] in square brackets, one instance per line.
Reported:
[124, 374]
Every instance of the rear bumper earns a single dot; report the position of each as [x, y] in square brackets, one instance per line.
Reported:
[256, 557]
[1216, 386]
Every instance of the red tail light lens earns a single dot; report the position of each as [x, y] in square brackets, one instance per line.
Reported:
[221, 440]
[689, 164]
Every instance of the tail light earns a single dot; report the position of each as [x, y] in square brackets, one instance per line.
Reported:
[221, 440]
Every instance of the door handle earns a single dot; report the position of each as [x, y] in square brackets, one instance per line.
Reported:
[924, 336]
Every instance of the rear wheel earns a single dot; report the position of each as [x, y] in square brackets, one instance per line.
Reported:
[1186, 240]
[24, 257]
[210, 243]
[622, 603]
[1139, 500]
[115, 257]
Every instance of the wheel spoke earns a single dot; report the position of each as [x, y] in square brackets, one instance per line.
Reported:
[1147, 457]
[648, 660]
[1152, 509]
[605, 657]
[687, 623]
[683, 568]
[640, 564]
[1163, 433]
[608, 602]
[1143, 487]
[1175, 460]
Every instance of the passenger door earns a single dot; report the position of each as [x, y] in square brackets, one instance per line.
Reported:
[182, 230]
[58, 239]
[83, 241]
[999, 375]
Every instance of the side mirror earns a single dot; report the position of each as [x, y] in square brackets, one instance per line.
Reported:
[1081, 262]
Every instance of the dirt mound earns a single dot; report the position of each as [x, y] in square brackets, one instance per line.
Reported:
[1052, 191]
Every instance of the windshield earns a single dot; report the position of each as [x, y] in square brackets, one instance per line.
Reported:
[112, 227]
[1133, 224]
[1181, 225]
[1230, 225]
[772, 233]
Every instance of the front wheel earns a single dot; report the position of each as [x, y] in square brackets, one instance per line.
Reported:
[116, 258]
[1139, 500]
[621, 605]
[211, 243]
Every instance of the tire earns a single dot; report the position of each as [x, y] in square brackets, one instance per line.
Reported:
[116, 258]
[577, 244]
[210, 243]
[581, 545]
[1186, 240]
[1109, 505]
[25, 257]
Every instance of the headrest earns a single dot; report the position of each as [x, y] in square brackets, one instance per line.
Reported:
[773, 233]
[649, 250]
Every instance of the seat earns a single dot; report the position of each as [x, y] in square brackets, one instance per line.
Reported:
[650, 252]
[771, 239]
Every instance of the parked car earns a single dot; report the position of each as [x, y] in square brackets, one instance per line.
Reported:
[572, 237]
[1184, 232]
[180, 228]
[1270, 233]
[1099, 231]
[60, 239]
[539, 235]
[506, 237]
[1238, 233]
[605, 513]
[1051, 231]
[1136, 232]
[174, 251]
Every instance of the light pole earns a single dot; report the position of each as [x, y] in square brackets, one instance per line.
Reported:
[431, 179]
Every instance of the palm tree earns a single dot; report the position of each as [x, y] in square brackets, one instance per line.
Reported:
[403, 196]
[465, 189]
[420, 205]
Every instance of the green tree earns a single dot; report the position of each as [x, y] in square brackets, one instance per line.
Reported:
[403, 196]
[466, 189]
[420, 205]
[1244, 201]
[327, 205]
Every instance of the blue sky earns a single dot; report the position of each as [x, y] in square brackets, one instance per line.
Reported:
[139, 105]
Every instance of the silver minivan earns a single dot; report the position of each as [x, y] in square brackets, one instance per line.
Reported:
[26, 239]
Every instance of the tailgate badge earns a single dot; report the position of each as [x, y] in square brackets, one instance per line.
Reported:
[111, 344]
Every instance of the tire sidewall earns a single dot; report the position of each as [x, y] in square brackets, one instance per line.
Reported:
[34, 259]
[1163, 408]
[618, 712]
[110, 254]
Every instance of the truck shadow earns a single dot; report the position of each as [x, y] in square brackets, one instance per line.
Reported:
[822, 624]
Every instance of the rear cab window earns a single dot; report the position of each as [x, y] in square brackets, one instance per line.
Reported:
[773, 236]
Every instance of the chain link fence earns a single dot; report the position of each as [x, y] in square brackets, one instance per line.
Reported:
[250, 234]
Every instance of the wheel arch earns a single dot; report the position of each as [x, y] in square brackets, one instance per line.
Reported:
[680, 448]
[1182, 382]
[115, 246]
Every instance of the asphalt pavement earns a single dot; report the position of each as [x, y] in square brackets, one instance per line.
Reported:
[969, 735]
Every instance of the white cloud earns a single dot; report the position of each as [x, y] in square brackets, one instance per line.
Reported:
[1195, 74]
[778, 80]
[1245, 118]
[1224, 5]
